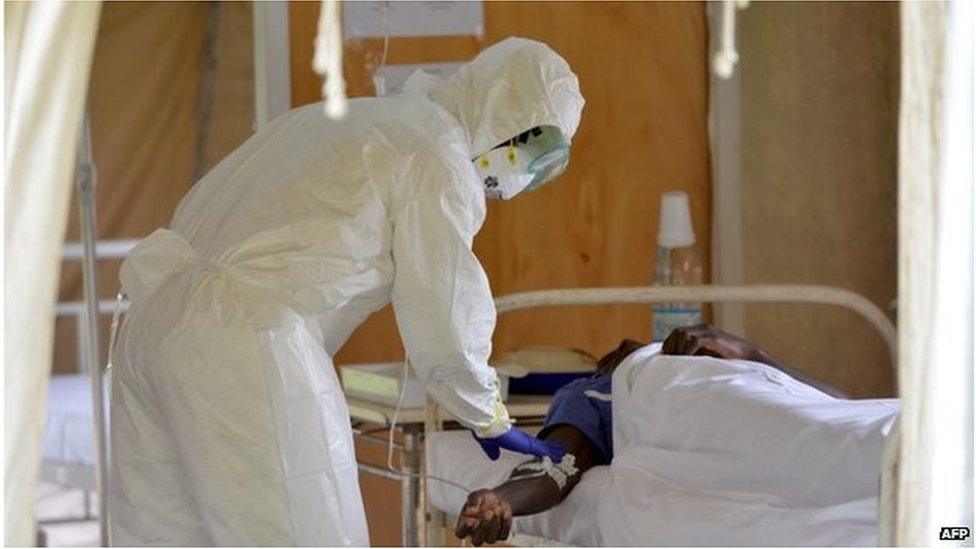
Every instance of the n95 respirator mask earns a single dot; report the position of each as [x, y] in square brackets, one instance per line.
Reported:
[525, 162]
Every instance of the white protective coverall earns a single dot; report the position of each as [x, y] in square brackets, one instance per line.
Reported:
[229, 425]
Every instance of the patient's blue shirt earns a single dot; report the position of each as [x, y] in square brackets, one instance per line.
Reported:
[585, 405]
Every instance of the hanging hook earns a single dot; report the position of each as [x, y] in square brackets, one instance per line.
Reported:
[327, 61]
[723, 64]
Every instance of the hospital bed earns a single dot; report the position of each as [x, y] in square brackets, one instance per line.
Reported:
[574, 522]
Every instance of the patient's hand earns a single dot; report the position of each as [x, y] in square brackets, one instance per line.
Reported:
[704, 340]
[486, 517]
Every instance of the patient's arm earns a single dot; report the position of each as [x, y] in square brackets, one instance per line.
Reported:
[704, 340]
[487, 514]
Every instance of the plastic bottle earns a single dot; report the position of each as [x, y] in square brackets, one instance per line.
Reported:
[677, 264]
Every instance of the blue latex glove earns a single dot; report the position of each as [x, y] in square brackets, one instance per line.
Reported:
[519, 441]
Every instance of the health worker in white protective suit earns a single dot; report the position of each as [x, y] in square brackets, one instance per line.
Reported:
[229, 425]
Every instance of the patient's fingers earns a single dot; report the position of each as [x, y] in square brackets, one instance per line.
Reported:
[494, 527]
[473, 529]
[476, 537]
[468, 520]
[465, 525]
[481, 531]
[506, 524]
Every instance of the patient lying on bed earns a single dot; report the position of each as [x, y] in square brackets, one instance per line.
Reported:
[580, 417]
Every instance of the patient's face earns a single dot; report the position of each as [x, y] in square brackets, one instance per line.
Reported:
[609, 361]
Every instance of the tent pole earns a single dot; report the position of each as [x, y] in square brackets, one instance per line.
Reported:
[85, 178]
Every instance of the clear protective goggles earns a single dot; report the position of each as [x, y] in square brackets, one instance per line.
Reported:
[549, 166]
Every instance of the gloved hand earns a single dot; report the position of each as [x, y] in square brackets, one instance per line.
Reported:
[518, 440]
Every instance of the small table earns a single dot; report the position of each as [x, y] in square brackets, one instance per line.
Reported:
[415, 423]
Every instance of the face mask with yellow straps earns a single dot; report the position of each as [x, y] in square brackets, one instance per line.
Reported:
[526, 162]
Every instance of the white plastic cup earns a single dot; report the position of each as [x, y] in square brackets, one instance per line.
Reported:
[676, 230]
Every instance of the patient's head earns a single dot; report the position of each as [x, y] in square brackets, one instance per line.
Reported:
[609, 361]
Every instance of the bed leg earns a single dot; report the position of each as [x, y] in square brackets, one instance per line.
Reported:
[435, 528]
[412, 488]
[434, 534]
[86, 501]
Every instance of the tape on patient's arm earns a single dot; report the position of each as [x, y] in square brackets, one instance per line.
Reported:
[558, 472]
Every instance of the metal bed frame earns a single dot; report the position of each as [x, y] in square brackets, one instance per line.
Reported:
[436, 529]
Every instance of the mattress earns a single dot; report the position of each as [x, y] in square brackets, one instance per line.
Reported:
[69, 429]
[572, 522]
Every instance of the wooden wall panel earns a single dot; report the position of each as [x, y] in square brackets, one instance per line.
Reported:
[819, 103]
[643, 71]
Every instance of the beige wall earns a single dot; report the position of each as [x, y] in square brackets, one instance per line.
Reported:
[819, 89]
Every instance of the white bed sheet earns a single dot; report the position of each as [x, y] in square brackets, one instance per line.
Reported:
[707, 453]
[68, 429]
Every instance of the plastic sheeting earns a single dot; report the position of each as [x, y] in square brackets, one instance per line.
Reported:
[935, 264]
[48, 49]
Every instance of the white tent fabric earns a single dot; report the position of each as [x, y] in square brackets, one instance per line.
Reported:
[48, 50]
[935, 270]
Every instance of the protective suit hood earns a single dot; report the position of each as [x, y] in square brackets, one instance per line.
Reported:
[511, 87]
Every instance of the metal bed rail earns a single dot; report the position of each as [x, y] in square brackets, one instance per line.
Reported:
[766, 293]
